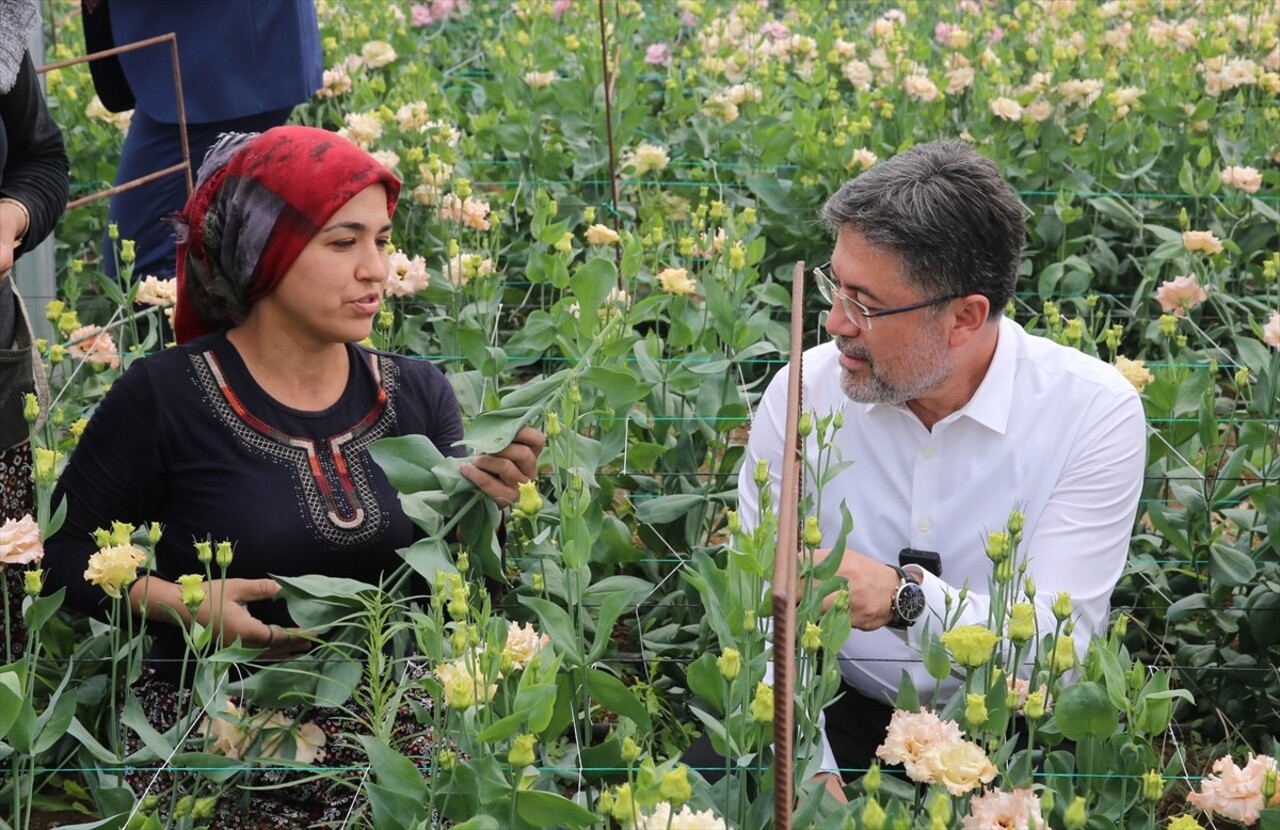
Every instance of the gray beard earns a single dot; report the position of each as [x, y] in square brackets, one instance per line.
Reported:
[929, 366]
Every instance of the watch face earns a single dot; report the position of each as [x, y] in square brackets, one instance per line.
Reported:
[909, 603]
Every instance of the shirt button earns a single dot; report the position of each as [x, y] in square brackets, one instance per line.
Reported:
[924, 525]
[927, 452]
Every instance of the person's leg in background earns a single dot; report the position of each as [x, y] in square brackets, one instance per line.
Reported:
[140, 213]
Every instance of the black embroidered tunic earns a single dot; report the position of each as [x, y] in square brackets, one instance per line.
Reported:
[187, 438]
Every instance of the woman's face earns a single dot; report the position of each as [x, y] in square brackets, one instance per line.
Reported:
[333, 290]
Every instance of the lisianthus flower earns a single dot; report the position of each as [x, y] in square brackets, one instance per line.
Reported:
[920, 88]
[1233, 792]
[335, 82]
[960, 766]
[658, 54]
[676, 281]
[264, 735]
[862, 158]
[112, 568]
[665, 817]
[363, 128]
[1247, 179]
[910, 734]
[523, 642]
[1134, 371]
[470, 211]
[1006, 108]
[154, 291]
[406, 275]
[1201, 242]
[1271, 331]
[601, 235]
[20, 542]
[970, 645]
[91, 344]
[1181, 294]
[646, 158]
[463, 683]
[1013, 810]
[539, 80]
[377, 53]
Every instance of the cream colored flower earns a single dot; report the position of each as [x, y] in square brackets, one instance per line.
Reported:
[960, 766]
[664, 817]
[920, 87]
[1233, 792]
[471, 211]
[1080, 92]
[910, 734]
[154, 291]
[1134, 371]
[1126, 96]
[646, 158]
[93, 345]
[523, 642]
[1247, 179]
[20, 542]
[387, 158]
[719, 106]
[539, 80]
[1006, 108]
[1038, 110]
[363, 128]
[676, 281]
[1201, 242]
[1181, 294]
[858, 74]
[747, 93]
[1271, 331]
[862, 158]
[464, 268]
[113, 568]
[959, 79]
[377, 53]
[405, 275]
[1014, 810]
[413, 115]
[601, 235]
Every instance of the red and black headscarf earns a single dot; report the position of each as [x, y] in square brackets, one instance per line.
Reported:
[259, 199]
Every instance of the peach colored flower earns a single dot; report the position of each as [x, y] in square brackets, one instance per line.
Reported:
[1201, 242]
[863, 158]
[1038, 110]
[1181, 294]
[959, 79]
[1271, 331]
[154, 291]
[335, 82]
[464, 268]
[959, 765]
[1234, 792]
[20, 542]
[539, 80]
[1014, 810]
[920, 87]
[1134, 371]
[363, 128]
[471, 211]
[413, 115]
[910, 734]
[1247, 179]
[264, 735]
[93, 345]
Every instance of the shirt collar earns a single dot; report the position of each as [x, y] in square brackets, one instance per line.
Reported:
[992, 401]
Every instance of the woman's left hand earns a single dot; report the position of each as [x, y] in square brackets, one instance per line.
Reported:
[500, 474]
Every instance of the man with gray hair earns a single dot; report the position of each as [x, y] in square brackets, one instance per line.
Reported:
[953, 416]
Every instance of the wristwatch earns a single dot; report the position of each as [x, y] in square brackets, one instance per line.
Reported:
[907, 602]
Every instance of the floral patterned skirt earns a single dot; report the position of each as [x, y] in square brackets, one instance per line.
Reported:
[275, 798]
[16, 501]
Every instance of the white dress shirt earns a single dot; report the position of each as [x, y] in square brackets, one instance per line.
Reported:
[1051, 432]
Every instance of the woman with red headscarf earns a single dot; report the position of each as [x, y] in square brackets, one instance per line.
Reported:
[254, 428]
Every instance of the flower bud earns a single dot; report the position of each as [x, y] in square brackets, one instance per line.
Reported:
[748, 216]
[1152, 785]
[121, 533]
[1075, 816]
[630, 750]
[538, 582]
[53, 310]
[553, 425]
[761, 476]
[735, 524]
[386, 318]
[1029, 588]
[31, 581]
[748, 621]
[838, 420]
[675, 786]
[729, 663]
[521, 753]
[1268, 785]
[811, 640]
[154, 531]
[1034, 708]
[529, 503]
[873, 817]
[738, 260]
[192, 591]
[446, 758]
[1022, 622]
[624, 806]
[45, 468]
[223, 554]
[1062, 606]
[975, 710]
[1063, 658]
[565, 243]
[762, 704]
[1047, 801]
[1121, 626]
[204, 552]
[203, 807]
[806, 424]
[812, 534]
[127, 253]
[30, 408]
[871, 780]
[113, 231]
[998, 546]
[940, 810]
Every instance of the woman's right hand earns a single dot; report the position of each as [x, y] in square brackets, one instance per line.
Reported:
[225, 610]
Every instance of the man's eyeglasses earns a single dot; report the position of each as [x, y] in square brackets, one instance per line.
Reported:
[860, 314]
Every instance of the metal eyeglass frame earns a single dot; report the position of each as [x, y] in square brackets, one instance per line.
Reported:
[859, 314]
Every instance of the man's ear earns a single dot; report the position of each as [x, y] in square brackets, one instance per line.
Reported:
[969, 316]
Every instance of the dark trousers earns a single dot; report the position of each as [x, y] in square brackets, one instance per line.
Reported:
[140, 213]
[856, 726]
